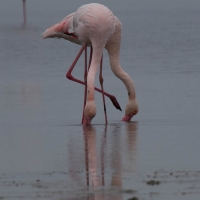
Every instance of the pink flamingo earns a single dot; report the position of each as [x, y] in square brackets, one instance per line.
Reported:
[96, 26]
[24, 11]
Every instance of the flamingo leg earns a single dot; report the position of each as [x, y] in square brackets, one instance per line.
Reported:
[70, 77]
[90, 58]
[24, 10]
[101, 83]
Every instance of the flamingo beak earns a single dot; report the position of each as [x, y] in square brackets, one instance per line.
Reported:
[87, 120]
[127, 118]
[54, 31]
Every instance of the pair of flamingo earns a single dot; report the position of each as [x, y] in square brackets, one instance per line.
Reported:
[96, 26]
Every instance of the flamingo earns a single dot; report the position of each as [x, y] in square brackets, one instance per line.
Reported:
[24, 11]
[96, 26]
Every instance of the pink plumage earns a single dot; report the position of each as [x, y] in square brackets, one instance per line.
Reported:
[96, 26]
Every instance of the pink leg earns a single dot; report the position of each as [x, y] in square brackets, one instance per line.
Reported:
[24, 10]
[70, 77]
[101, 83]
[90, 58]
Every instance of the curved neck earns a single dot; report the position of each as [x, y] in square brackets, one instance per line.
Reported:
[113, 48]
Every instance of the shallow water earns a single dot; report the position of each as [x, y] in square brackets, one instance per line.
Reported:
[44, 151]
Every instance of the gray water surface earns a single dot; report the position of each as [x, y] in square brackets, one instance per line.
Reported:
[45, 152]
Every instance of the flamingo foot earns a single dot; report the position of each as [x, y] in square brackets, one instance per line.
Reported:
[127, 118]
[115, 102]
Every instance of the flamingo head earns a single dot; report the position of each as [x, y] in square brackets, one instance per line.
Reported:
[131, 110]
[89, 112]
[63, 29]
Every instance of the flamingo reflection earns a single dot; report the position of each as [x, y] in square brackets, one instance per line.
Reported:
[107, 154]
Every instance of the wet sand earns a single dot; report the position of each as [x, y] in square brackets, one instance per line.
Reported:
[99, 162]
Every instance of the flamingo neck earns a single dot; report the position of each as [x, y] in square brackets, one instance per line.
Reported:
[90, 108]
[113, 48]
[96, 58]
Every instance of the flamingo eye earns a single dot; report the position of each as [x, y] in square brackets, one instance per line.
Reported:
[66, 33]
[71, 34]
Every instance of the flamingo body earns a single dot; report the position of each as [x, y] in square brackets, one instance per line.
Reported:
[95, 25]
